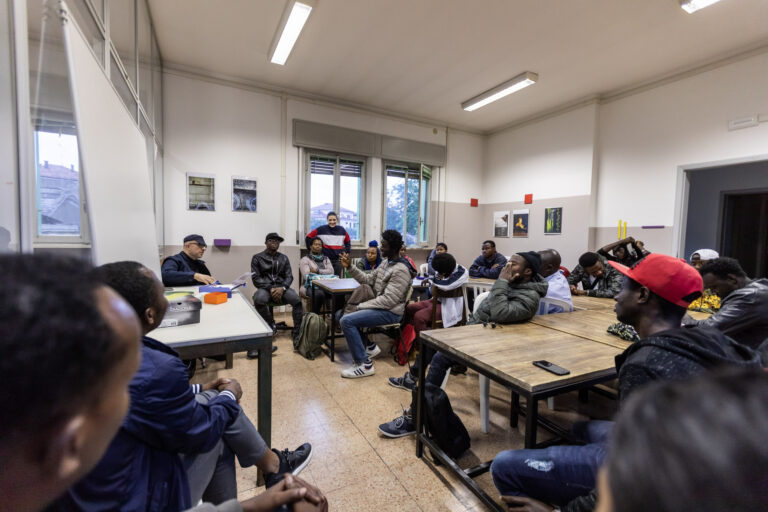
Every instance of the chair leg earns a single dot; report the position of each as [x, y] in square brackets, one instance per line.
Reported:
[485, 393]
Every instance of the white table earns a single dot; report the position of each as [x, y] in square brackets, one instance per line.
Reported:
[234, 326]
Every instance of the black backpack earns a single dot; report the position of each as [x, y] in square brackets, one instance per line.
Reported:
[445, 428]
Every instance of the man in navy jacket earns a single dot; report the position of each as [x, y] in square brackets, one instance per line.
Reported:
[489, 263]
[186, 268]
[142, 468]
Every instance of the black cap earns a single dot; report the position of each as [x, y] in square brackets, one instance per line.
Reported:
[273, 236]
[195, 238]
[533, 259]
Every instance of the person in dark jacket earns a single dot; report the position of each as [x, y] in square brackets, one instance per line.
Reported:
[619, 252]
[440, 247]
[596, 277]
[709, 455]
[489, 263]
[653, 299]
[178, 442]
[186, 268]
[335, 239]
[272, 277]
[514, 298]
[743, 313]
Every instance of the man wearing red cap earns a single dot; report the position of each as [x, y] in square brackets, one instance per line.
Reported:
[653, 299]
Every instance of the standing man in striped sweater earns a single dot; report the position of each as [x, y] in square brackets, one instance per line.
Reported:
[335, 240]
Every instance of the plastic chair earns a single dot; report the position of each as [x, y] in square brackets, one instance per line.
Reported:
[423, 269]
[546, 302]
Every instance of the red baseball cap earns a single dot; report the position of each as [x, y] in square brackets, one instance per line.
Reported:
[670, 278]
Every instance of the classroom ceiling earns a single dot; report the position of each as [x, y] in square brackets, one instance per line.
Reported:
[422, 58]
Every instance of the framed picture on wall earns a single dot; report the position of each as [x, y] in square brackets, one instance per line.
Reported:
[244, 196]
[553, 221]
[501, 224]
[201, 192]
[520, 223]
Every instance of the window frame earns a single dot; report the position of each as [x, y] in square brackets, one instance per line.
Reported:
[424, 220]
[308, 154]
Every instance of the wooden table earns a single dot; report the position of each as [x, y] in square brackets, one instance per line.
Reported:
[591, 303]
[505, 355]
[234, 326]
[591, 325]
[336, 288]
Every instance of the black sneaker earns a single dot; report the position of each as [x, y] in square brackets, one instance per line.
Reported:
[405, 382]
[399, 427]
[254, 354]
[290, 462]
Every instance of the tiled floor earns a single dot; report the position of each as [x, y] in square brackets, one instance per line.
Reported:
[352, 464]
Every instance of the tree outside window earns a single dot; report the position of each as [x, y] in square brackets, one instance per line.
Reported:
[407, 201]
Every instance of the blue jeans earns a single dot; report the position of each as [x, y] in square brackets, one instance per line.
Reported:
[557, 474]
[351, 323]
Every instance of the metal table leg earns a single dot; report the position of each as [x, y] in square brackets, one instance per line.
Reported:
[420, 402]
[264, 420]
[531, 415]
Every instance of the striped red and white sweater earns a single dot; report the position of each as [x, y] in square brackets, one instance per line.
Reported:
[335, 240]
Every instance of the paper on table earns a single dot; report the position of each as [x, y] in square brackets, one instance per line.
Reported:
[240, 281]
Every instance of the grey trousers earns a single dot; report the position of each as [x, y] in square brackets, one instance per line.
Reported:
[212, 474]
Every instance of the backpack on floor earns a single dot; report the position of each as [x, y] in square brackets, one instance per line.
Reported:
[443, 425]
[312, 334]
[403, 344]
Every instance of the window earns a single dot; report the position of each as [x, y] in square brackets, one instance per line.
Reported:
[58, 184]
[407, 201]
[336, 184]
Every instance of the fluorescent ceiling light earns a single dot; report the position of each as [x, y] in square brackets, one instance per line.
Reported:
[521, 81]
[294, 18]
[691, 6]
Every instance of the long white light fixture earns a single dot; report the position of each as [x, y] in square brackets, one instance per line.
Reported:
[293, 20]
[691, 6]
[521, 81]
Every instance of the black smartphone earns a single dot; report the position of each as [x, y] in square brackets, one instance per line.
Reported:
[551, 367]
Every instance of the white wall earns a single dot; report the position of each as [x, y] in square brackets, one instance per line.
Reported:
[465, 167]
[644, 138]
[226, 132]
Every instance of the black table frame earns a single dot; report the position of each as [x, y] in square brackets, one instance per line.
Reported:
[330, 340]
[264, 379]
[531, 417]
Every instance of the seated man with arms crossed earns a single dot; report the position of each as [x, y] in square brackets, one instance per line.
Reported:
[449, 276]
[390, 282]
[489, 263]
[597, 278]
[743, 313]
[177, 440]
[186, 268]
[514, 298]
[653, 299]
[75, 344]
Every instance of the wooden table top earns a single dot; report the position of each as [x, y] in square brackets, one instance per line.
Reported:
[699, 315]
[481, 281]
[508, 351]
[590, 325]
[590, 303]
[337, 285]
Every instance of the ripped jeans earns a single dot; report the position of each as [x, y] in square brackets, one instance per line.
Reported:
[557, 474]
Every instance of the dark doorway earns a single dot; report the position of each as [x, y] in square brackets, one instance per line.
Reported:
[745, 230]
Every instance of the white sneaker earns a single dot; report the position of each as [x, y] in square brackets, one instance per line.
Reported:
[372, 351]
[357, 371]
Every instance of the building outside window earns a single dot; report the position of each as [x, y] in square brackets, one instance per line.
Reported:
[335, 183]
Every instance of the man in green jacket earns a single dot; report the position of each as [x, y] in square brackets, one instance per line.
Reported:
[514, 298]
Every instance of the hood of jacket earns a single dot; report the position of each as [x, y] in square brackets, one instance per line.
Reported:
[706, 346]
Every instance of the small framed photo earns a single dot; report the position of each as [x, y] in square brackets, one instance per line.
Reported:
[520, 223]
[244, 194]
[501, 224]
[201, 192]
[553, 221]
